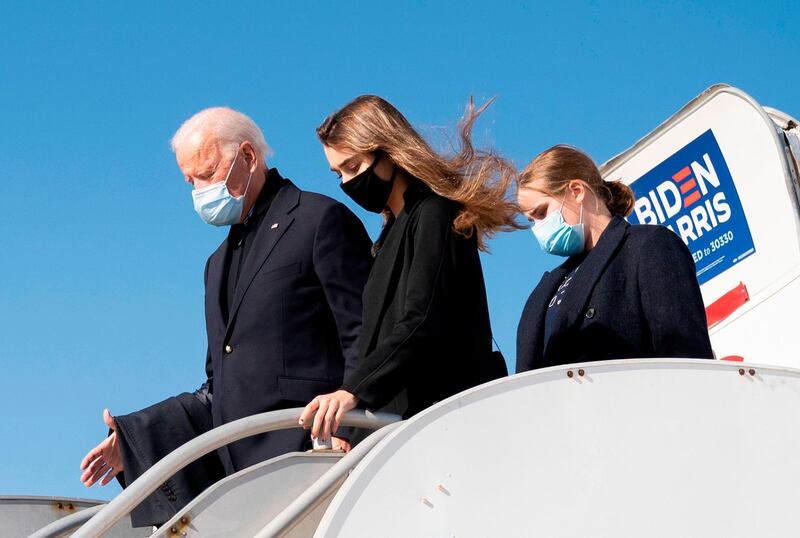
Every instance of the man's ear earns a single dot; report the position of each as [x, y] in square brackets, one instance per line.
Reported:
[250, 156]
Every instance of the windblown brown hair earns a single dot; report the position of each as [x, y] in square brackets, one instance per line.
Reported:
[478, 180]
[553, 169]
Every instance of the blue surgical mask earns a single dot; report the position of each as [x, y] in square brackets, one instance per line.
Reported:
[557, 237]
[216, 205]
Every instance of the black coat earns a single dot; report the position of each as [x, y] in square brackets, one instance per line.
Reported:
[293, 325]
[426, 331]
[635, 296]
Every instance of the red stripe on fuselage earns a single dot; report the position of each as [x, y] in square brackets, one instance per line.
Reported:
[680, 176]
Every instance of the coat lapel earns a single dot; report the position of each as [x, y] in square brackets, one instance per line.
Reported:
[580, 289]
[381, 277]
[271, 229]
[388, 264]
[214, 286]
[537, 307]
[543, 292]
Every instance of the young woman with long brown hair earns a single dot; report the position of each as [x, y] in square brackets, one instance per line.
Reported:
[425, 333]
[625, 291]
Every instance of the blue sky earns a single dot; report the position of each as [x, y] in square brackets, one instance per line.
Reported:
[101, 301]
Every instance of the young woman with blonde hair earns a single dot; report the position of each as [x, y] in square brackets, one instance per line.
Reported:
[625, 291]
[426, 332]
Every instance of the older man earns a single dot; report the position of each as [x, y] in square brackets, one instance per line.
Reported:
[282, 306]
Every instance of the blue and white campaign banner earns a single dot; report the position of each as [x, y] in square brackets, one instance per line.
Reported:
[693, 194]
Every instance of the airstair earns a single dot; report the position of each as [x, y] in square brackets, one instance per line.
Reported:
[629, 448]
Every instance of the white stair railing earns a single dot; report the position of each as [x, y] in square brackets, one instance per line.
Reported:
[200, 446]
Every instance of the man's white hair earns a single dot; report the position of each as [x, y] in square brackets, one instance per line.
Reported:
[227, 126]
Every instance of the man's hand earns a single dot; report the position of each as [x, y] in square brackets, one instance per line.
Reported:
[329, 409]
[104, 459]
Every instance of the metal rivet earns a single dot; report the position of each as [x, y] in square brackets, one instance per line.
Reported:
[741, 371]
[184, 520]
[752, 372]
[581, 372]
[569, 373]
[173, 530]
[59, 505]
[70, 507]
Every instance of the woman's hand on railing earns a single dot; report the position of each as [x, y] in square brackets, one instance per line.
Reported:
[327, 411]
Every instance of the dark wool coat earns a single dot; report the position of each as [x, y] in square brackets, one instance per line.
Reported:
[635, 296]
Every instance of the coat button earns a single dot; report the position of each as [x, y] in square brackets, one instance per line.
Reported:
[590, 312]
[228, 349]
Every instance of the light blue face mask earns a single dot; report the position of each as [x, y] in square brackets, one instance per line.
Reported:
[216, 205]
[557, 237]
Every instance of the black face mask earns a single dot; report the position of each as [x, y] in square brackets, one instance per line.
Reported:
[368, 190]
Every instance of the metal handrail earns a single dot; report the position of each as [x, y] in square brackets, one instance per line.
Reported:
[203, 444]
[290, 516]
[67, 523]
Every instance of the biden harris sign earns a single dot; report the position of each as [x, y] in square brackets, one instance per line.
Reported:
[692, 193]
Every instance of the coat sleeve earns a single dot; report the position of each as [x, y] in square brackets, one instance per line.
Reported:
[147, 436]
[382, 374]
[342, 260]
[670, 298]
